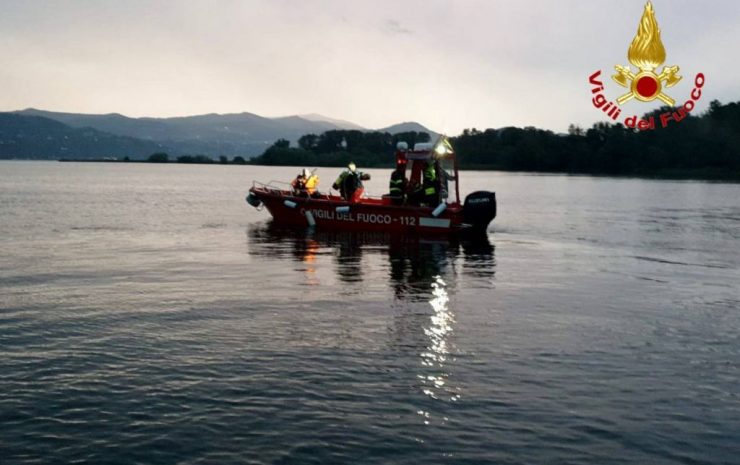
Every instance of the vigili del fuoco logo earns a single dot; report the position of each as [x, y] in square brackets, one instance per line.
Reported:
[646, 53]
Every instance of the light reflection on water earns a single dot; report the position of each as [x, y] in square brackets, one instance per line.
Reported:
[422, 272]
[434, 374]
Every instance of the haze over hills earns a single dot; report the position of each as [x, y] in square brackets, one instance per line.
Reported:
[409, 126]
[35, 137]
[243, 134]
[341, 124]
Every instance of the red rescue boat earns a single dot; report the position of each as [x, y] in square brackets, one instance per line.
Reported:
[442, 215]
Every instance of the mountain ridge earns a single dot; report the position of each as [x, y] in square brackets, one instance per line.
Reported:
[230, 134]
[36, 137]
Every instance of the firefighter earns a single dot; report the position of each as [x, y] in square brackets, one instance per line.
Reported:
[398, 183]
[430, 184]
[312, 184]
[426, 192]
[306, 184]
[349, 183]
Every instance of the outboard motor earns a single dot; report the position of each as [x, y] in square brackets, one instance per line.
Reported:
[480, 209]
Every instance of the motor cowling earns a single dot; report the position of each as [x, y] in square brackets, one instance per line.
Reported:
[480, 209]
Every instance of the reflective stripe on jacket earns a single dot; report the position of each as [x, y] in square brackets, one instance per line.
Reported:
[398, 183]
[430, 178]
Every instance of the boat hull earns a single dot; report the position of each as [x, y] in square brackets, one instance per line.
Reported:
[331, 212]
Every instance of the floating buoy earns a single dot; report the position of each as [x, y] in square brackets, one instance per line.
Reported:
[310, 218]
[440, 208]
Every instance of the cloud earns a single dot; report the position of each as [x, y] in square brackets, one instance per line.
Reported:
[448, 65]
[394, 27]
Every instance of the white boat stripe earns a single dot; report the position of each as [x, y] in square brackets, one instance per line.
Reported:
[434, 222]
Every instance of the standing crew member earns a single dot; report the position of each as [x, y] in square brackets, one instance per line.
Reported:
[430, 184]
[349, 183]
[398, 183]
[426, 191]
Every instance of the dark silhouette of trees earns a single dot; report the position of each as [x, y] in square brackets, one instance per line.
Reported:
[158, 158]
[203, 159]
[308, 142]
[338, 148]
[705, 146]
[282, 143]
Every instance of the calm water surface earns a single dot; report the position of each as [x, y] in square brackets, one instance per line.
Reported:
[149, 315]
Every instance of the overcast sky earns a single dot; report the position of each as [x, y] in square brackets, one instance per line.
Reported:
[449, 65]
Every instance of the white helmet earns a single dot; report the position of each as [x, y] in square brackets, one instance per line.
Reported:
[306, 173]
[352, 167]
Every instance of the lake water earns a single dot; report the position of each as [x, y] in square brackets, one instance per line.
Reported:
[149, 315]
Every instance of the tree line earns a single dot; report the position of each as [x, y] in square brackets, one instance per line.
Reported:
[707, 145]
[338, 148]
[161, 157]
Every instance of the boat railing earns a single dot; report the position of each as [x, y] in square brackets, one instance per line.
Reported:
[281, 187]
[274, 185]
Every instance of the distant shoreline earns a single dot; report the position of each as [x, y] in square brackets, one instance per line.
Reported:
[169, 162]
[667, 175]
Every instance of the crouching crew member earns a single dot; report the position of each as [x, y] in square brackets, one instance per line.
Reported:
[306, 184]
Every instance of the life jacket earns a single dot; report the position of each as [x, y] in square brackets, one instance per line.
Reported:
[430, 179]
[311, 184]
